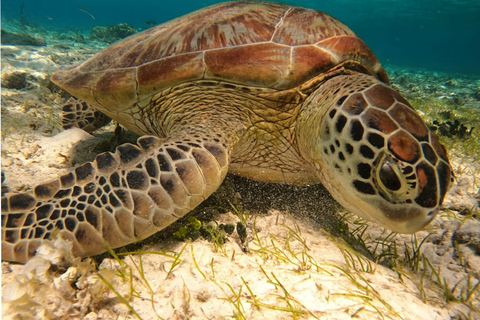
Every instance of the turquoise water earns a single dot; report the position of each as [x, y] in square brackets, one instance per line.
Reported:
[442, 35]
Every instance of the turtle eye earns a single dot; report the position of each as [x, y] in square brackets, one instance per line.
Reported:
[389, 177]
[391, 180]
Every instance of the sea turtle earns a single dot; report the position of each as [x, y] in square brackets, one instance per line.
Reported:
[262, 90]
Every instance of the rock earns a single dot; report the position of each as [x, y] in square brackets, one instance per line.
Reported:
[469, 234]
[458, 99]
[452, 83]
[476, 95]
[11, 38]
[13, 78]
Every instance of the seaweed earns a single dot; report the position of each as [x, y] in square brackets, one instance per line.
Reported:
[451, 129]
[112, 33]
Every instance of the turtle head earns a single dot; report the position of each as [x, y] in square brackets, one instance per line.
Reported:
[374, 153]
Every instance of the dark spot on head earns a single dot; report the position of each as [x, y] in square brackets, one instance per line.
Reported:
[356, 130]
[364, 170]
[332, 113]
[341, 100]
[376, 140]
[340, 124]
[407, 170]
[327, 132]
[363, 187]
[341, 157]
[348, 148]
[332, 148]
[367, 152]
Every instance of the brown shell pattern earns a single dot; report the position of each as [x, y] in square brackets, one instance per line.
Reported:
[248, 43]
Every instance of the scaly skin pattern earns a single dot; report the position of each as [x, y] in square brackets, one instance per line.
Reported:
[78, 114]
[118, 199]
[265, 91]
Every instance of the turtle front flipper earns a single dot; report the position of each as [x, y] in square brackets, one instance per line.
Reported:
[79, 114]
[117, 199]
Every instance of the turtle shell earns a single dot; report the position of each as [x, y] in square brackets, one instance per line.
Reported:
[256, 44]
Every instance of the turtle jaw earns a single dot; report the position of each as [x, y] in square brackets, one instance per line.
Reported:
[400, 215]
[399, 218]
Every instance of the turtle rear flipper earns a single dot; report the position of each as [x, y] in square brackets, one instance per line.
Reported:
[118, 199]
[79, 114]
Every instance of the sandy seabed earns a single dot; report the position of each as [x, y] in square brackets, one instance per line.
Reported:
[295, 263]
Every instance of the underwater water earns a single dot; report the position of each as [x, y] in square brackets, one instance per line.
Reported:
[433, 34]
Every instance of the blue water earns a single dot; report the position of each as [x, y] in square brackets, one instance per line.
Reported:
[441, 35]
